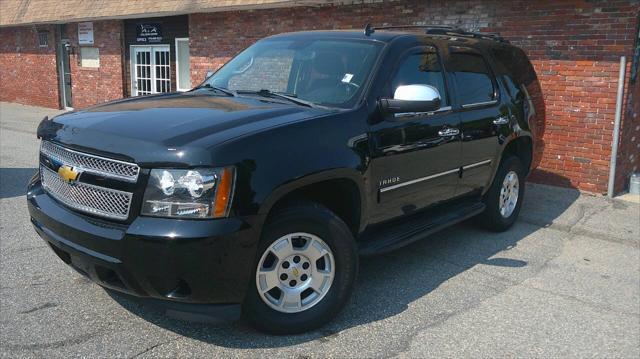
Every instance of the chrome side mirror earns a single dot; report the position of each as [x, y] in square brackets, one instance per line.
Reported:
[412, 98]
[421, 93]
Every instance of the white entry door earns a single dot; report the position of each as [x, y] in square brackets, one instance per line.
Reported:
[150, 70]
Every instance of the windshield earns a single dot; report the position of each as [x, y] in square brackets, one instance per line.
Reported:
[323, 72]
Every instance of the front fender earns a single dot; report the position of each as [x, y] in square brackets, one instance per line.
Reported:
[311, 179]
[274, 162]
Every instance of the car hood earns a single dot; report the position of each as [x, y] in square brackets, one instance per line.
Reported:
[169, 129]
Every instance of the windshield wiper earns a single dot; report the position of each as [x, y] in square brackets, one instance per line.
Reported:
[270, 94]
[216, 88]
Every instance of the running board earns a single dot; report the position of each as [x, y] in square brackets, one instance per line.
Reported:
[390, 237]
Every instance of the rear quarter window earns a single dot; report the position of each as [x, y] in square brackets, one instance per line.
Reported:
[513, 62]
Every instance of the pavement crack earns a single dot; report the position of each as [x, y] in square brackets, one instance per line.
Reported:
[9, 128]
[52, 345]
[581, 215]
[582, 301]
[40, 307]
[148, 349]
[523, 283]
[440, 319]
[328, 335]
[575, 229]
[26, 249]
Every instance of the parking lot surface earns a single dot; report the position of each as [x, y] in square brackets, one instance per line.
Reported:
[564, 281]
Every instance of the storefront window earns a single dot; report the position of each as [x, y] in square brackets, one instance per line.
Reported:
[182, 64]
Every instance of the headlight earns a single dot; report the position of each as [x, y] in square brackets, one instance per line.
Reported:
[196, 193]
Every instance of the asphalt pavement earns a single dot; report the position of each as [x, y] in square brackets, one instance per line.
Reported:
[563, 282]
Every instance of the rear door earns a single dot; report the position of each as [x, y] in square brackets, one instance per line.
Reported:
[477, 101]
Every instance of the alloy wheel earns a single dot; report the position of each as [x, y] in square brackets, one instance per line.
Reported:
[509, 194]
[295, 272]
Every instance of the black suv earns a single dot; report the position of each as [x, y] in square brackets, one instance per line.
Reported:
[258, 190]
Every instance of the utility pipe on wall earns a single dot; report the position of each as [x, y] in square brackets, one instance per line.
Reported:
[616, 128]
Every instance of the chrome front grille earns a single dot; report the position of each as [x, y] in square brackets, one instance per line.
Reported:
[100, 166]
[101, 201]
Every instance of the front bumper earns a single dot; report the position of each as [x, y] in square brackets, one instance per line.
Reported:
[188, 265]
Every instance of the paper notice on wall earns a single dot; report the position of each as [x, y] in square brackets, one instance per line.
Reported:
[85, 33]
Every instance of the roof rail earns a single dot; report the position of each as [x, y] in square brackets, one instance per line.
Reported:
[439, 30]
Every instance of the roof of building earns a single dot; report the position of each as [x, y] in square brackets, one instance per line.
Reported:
[25, 12]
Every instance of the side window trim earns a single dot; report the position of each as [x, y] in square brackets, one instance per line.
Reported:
[417, 50]
[492, 76]
[479, 104]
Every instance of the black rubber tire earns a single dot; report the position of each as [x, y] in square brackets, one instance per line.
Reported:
[491, 218]
[315, 219]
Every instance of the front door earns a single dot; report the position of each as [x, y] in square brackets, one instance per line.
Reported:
[416, 156]
[150, 70]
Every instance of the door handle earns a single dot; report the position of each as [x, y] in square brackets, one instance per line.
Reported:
[502, 120]
[449, 131]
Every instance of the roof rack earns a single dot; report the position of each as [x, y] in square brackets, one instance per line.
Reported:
[439, 30]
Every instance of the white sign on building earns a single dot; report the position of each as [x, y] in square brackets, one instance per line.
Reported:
[85, 33]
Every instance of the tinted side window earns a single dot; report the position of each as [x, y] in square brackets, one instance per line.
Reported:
[514, 68]
[472, 78]
[514, 62]
[422, 68]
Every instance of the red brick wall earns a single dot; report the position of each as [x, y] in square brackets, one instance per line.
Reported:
[27, 71]
[574, 45]
[92, 86]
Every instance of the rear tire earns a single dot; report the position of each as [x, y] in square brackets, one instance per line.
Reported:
[306, 252]
[504, 198]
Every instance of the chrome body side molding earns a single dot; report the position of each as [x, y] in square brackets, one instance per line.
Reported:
[433, 176]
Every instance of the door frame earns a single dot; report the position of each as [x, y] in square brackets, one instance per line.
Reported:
[132, 68]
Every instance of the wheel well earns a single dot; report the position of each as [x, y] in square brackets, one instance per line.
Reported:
[341, 196]
[522, 148]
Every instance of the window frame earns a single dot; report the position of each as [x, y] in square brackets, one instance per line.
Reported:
[43, 35]
[388, 91]
[177, 39]
[494, 82]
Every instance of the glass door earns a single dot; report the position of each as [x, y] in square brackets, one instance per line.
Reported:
[150, 70]
[162, 68]
[141, 70]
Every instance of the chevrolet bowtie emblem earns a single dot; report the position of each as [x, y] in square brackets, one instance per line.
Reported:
[68, 174]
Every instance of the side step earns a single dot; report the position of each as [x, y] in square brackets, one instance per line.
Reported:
[385, 238]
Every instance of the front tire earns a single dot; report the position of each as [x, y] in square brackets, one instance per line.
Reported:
[305, 270]
[504, 198]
